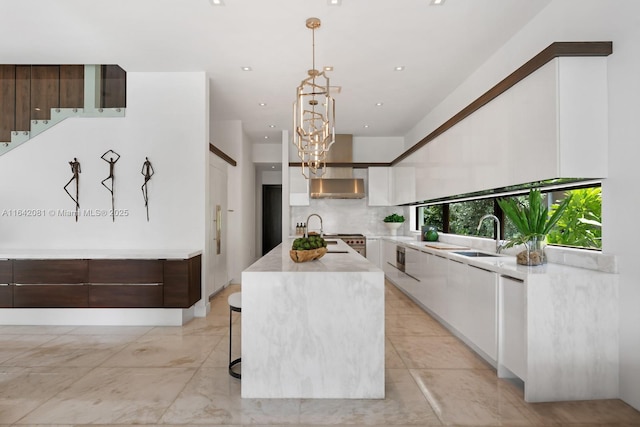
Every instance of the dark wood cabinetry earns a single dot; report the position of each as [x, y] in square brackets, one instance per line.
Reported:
[100, 283]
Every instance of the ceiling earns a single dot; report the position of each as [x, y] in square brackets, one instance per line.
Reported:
[363, 40]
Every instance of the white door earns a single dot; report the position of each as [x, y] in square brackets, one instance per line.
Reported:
[217, 274]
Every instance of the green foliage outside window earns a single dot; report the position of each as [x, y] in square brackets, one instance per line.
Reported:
[581, 223]
[464, 217]
[432, 215]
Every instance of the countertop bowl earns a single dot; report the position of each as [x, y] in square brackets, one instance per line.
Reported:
[309, 255]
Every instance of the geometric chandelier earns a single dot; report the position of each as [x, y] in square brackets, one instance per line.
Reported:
[313, 116]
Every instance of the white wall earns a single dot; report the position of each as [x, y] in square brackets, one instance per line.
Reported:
[368, 149]
[229, 136]
[166, 120]
[580, 20]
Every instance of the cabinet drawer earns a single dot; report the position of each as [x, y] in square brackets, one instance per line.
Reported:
[125, 295]
[6, 296]
[129, 271]
[6, 271]
[50, 296]
[54, 271]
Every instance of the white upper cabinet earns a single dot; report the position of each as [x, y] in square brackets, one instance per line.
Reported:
[298, 188]
[379, 181]
[552, 124]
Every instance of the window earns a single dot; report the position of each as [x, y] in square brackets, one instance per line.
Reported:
[464, 218]
[580, 225]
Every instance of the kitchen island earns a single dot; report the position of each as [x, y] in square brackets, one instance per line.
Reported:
[313, 329]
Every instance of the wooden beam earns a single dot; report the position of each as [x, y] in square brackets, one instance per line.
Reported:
[218, 152]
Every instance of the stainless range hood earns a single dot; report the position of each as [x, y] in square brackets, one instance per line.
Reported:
[337, 188]
[338, 183]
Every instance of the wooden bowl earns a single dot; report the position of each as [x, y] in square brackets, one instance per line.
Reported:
[310, 255]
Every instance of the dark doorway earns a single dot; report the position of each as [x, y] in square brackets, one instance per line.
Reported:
[271, 217]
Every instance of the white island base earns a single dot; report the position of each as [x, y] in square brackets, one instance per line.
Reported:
[313, 329]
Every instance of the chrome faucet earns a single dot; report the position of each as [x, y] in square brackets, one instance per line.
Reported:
[306, 232]
[495, 218]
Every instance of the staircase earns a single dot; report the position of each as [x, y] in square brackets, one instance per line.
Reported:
[34, 98]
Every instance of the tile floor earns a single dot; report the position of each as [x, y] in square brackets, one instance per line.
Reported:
[178, 376]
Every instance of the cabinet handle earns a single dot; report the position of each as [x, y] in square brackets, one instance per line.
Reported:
[512, 278]
[480, 268]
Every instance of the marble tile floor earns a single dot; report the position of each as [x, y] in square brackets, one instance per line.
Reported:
[73, 376]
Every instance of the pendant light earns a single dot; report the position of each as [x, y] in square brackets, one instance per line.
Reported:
[313, 116]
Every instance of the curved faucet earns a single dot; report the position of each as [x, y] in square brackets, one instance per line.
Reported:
[495, 218]
[306, 233]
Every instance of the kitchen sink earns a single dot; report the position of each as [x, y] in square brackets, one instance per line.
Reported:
[475, 254]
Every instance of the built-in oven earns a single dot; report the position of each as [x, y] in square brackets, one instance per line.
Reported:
[400, 258]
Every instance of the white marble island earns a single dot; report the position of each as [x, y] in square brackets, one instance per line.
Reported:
[313, 329]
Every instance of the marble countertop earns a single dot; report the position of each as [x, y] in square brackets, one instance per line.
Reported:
[98, 253]
[346, 260]
[502, 264]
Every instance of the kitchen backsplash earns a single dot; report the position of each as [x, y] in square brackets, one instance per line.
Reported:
[347, 216]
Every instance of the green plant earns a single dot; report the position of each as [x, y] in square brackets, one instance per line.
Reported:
[394, 218]
[581, 223]
[531, 219]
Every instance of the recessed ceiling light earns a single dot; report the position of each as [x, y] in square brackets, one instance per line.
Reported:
[437, 2]
[263, 104]
[273, 167]
[328, 68]
[366, 126]
[216, 2]
[266, 137]
[399, 68]
[334, 2]
[272, 126]
[379, 104]
[246, 68]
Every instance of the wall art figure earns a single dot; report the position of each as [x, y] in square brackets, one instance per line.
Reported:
[75, 171]
[112, 162]
[147, 171]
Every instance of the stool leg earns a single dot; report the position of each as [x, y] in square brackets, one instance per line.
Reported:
[238, 360]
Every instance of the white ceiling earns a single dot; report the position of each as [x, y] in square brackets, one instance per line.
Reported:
[364, 40]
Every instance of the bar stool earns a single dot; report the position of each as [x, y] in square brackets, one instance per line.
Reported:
[235, 304]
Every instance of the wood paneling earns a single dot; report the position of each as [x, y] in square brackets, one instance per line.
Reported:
[125, 296]
[182, 282]
[113, 87]
[23, 98]
[125, 271]
[50, 271]
[54, 296]
[6, 271]
[45, 90]
[71, 86]
[6, 296]
[176, 284]
[7, 101]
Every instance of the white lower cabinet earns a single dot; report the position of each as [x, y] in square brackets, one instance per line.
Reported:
[411, 280]
[374, 251]
[438, 287]
[513, 332]
[482, 314]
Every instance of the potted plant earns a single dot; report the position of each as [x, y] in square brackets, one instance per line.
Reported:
[393, 222]
[533, 222]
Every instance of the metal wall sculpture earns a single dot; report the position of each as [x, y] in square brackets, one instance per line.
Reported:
[112, 162]
[147, 171]
[75, 170]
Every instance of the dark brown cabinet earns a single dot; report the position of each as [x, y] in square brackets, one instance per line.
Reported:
[103, 283]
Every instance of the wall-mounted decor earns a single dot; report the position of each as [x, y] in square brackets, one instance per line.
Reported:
[147, 171]
[112, 162]
[75, 170]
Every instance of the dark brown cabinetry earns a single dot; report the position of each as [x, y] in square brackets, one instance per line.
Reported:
[100, 283]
